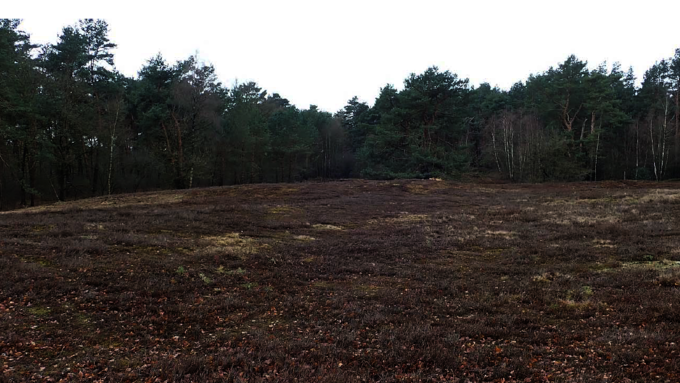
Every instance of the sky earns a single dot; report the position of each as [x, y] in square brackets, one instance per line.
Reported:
[324, 52]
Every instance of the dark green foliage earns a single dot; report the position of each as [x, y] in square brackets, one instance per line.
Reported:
[21, 139]
[421, 130]
[71, 126]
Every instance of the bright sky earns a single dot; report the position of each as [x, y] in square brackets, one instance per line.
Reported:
[324, 52]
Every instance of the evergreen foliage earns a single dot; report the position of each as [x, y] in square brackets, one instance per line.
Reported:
[72, 126]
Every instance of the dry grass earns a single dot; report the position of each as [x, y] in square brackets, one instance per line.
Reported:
[231, 243]
[320, 226]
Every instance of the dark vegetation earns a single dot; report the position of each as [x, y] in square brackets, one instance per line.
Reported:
[346, 281]
[71, 126]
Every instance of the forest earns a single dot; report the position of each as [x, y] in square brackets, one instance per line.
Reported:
[72, 126]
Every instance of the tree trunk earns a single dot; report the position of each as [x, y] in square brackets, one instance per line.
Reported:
[22, 180]
[597, 148]
[32, 163]
[583, 128]
[95, 172]
[637, 148]
[654, 158]
[495, 150]
[31, 183]
[113, 141]
[592, 123]
[61, 173]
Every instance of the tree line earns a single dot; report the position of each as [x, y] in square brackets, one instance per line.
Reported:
[72, 126]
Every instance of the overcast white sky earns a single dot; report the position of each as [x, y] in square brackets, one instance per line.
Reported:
[324, 52]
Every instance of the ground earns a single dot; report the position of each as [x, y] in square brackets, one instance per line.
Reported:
[346, 281]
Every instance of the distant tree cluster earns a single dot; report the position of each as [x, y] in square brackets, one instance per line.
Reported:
[72, 126]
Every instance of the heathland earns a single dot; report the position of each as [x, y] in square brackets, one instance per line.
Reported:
[346, 281]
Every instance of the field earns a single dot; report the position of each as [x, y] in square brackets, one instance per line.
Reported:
[346, 281]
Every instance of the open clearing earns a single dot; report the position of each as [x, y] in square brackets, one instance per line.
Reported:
[346, 281]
